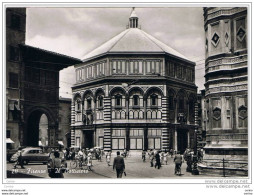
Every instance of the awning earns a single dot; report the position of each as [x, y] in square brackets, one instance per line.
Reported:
[60, 143]
[9, 141]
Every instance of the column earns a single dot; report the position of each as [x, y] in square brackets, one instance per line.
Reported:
[145, 138]
[188, 138]
[165, 139]
[73, 136]
[175, 139]
[107, 120]
[52, 135]
[107, 109]
[145, 105]
[72, 123]
[127, 131]
[127, 107]
[188, 113]
[165, 111]
[94, 137]
[176, 110]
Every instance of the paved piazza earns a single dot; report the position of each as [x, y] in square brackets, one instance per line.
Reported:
[135, 168]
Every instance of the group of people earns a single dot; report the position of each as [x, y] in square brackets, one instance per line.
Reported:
[70, 154]
[159, 157]
[85, 157]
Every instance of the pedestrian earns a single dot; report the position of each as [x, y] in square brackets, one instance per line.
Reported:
[108, 157]
[124, 153]
[89, 161]
[80, 157]
[151, 157]
[73, 154]
[144, 155]
[161, 157]
[19, 161]
[64, 153]
[171, 153]
[55, 166]
[67, 153]
[157, 159]
[178, 162]
[119, 165]
[102, 153]
[98, 153]
[165, 158]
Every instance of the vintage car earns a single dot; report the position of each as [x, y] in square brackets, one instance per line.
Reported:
[32, 154]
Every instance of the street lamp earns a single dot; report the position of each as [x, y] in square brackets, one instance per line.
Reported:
[195, 156]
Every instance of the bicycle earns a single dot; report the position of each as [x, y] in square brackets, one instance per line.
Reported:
[77, 162]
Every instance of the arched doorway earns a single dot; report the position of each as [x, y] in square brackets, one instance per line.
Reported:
[43, 130]
[39, 132]
[182, 140]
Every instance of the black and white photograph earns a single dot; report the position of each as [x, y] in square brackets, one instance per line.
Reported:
[127, 93]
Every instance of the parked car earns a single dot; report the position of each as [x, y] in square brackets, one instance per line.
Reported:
[32, 154]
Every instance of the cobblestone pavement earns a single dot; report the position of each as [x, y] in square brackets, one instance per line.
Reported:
[135, 169]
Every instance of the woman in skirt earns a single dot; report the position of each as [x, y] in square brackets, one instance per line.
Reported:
[108, 157]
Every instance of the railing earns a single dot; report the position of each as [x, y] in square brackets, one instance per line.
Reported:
[222, 164]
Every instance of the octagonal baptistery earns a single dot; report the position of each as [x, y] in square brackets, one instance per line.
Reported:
[134, 92]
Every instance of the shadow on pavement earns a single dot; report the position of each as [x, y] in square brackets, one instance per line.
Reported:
[20, 175]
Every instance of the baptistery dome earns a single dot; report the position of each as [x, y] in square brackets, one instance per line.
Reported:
[134, 92]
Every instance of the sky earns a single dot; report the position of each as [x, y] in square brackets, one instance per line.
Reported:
[77, 31]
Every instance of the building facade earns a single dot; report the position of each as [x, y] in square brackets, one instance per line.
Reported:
[32, 85]
[65, 121]
[226, 93]
[135, 93]
[15, 34]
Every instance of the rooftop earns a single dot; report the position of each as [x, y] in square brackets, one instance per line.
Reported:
[133, 40]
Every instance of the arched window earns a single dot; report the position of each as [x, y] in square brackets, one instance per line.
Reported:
[154, 100]
[100, 101]
[89, 103]
[135, 100]
[118, 99]
[171, 102]
[78, 105]
[191, 107]
[181, 103]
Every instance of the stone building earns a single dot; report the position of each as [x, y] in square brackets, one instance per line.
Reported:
[15, 34]
[65, 121]
[32, 84]
[134, 92]
[226, 84]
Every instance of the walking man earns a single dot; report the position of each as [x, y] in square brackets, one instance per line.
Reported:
[119, 165]
[178, 163]
[158, 160]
